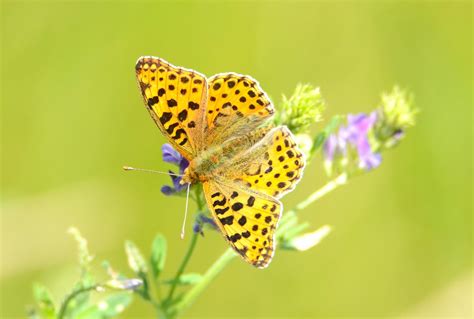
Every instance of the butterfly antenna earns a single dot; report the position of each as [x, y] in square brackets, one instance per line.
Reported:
[185, 211]
[128, 168]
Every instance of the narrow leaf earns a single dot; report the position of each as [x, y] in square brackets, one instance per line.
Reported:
[158, 255]
[135, 258]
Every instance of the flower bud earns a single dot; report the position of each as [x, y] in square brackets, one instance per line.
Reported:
[302, 109]
[123, 284]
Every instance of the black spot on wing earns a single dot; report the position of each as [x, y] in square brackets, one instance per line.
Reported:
[250, 201]
[193, 106]
[220, 211]
[227, 220]
[183, 115]
[219, 203]
[165, 117]
[172, 103]
[237, 206]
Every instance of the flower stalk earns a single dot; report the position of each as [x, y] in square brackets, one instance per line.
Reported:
[182, 267]
[323, 191]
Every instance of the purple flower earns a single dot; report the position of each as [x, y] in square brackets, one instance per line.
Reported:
[201, 220]
[170, 155]
[367, 159]
[334, 145]
[355, 134]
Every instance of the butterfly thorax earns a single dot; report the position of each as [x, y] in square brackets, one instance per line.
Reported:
[213, 160]
[202, 167]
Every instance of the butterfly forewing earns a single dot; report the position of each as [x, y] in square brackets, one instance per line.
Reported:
[175, 98]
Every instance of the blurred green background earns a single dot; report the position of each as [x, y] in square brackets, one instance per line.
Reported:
[72, 116]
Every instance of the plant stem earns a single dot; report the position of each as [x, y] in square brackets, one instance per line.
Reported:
[330, 186]
[183, 265]
[71, 296]
[210, 274]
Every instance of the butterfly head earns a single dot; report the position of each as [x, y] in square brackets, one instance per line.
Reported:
[189, 175]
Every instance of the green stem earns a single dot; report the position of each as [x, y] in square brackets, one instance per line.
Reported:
[210, 274]
[199, 200]
[157, 287]
[329, 187]
[192, 245]
[288, 222]
[183, 265]
[71, 296]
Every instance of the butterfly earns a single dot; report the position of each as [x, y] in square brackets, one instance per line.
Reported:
[219, 124]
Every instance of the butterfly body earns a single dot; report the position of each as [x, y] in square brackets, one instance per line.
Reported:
[220, 125]
[210, 162]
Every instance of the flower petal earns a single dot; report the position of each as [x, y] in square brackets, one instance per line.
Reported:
[168, 190]
[370, 161]
[183, 164]
[170, 155]
[330, 146]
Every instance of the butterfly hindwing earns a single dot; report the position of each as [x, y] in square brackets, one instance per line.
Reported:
[175, 98]
[246, 218]
[272, 166]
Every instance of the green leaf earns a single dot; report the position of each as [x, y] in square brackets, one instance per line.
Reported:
[46, 308]
[158, 255]
[323, 135]
[135, 258]
[186, 279]
[109, 307]
[138, 265]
